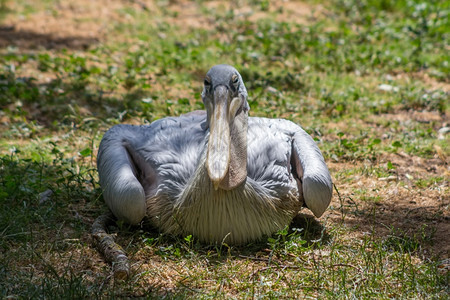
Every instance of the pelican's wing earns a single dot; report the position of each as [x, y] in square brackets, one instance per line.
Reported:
[312, 171]
[306, 162]
[118, 172]
[128, 161]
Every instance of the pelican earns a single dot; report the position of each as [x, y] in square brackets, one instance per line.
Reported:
[218, 175]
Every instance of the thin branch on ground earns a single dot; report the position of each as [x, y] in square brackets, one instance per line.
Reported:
[106, 245]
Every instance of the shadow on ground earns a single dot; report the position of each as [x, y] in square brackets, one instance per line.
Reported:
[418, 228]
[28, 40]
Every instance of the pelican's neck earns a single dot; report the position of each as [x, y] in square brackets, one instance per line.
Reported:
[237, 170]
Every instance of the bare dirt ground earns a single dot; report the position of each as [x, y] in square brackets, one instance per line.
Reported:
[414, 210]
[81, 24]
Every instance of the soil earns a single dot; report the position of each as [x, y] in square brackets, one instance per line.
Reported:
[388, 206]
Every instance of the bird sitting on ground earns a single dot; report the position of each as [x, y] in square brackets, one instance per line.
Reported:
[218, 175]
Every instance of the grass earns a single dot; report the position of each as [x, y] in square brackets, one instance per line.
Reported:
[367, 79]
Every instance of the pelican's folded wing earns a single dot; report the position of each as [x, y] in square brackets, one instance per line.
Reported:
[122, 191]
[312, 171]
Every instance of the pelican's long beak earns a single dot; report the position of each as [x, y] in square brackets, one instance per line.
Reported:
[222, 115]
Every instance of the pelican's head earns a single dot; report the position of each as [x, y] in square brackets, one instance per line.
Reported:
[225, 99]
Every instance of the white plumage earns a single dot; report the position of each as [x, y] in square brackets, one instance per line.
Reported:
[167, 171]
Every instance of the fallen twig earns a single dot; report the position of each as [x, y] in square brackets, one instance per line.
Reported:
[112, 252]
[254, 258]
[282, 267]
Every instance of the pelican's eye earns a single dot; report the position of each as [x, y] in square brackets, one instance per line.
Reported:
[235, 80]
[207, 82]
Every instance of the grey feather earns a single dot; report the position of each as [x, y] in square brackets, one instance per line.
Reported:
[158, 171]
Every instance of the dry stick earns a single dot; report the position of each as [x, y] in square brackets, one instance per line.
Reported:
[283, 267]
[254, 258]
[112, 252]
